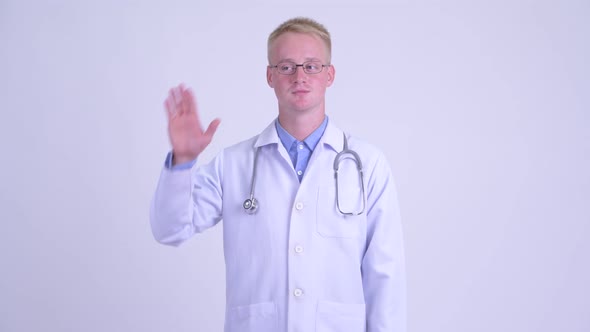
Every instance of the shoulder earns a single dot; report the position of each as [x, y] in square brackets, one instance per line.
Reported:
[242, 147]
[267, 137]
[363, 147]
[369, 153]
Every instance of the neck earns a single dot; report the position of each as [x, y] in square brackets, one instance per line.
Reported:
[301, 125]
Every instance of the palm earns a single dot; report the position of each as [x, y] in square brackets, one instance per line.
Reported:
[184, 127]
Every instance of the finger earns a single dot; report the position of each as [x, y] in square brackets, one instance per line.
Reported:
[177, 99]
[172, 94]
[170, 108]
[180, 100]
[190, 106]
[189, 101]
[171, 101]
[212, 128]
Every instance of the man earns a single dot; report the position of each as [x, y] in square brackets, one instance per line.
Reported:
[305, 250]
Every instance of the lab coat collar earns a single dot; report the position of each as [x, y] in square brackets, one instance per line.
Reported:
[333, 137]
[268, 136]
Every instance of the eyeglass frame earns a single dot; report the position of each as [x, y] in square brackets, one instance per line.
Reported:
[300, 65]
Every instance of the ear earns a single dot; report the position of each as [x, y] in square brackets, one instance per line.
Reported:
[331, 75]
[269, 77]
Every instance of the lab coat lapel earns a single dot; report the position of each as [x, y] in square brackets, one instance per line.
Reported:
[332, 139]
[270, 136]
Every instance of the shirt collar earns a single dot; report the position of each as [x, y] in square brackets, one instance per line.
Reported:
[332, 136]
[284, 136]
[314, 138]
[311, 141]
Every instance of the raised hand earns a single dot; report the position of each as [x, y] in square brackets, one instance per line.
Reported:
[184, 127]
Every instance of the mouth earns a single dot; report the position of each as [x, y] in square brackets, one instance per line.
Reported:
[299, 92]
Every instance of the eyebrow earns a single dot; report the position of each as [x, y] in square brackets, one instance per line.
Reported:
[305, 60]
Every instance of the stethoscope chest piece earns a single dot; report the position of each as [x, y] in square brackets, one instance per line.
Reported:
[250, 205]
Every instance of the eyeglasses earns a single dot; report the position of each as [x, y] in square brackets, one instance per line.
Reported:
[289, 68]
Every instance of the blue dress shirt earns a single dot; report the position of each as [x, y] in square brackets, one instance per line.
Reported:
[299, 152]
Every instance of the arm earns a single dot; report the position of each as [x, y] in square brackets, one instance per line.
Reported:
[383, 266]
[186, 200]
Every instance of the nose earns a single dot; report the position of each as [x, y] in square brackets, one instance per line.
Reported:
[299, 76]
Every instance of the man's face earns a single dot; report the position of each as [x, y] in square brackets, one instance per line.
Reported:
[299, 92]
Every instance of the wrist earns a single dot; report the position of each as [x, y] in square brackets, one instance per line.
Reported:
[181, 159]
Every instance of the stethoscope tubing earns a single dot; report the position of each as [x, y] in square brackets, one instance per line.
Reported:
[359, 166]
[250, 205]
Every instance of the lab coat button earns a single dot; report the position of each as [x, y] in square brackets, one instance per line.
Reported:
[297, 292]
[298, 249]
[299, 206]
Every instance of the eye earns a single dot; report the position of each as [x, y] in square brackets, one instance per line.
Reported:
[313, 66]
[285, 67]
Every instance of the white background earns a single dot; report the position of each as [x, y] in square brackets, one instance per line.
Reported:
[482, 107]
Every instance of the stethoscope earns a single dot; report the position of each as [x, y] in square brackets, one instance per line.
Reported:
[251, 203]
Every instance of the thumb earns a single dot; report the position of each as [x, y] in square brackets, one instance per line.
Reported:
[212, 128]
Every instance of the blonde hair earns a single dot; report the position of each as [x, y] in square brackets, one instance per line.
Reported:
[302, 25]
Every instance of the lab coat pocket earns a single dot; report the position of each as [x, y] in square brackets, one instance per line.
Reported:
[340, 317]
[259, 317]
[330, 222]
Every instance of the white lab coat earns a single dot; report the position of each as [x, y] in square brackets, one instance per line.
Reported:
[297, 265]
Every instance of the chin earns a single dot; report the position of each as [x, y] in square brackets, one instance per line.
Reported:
[300, 105]
[302, 108]
[303, 105]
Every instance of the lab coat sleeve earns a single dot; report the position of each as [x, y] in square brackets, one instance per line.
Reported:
[383, 264]
[186, 202]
